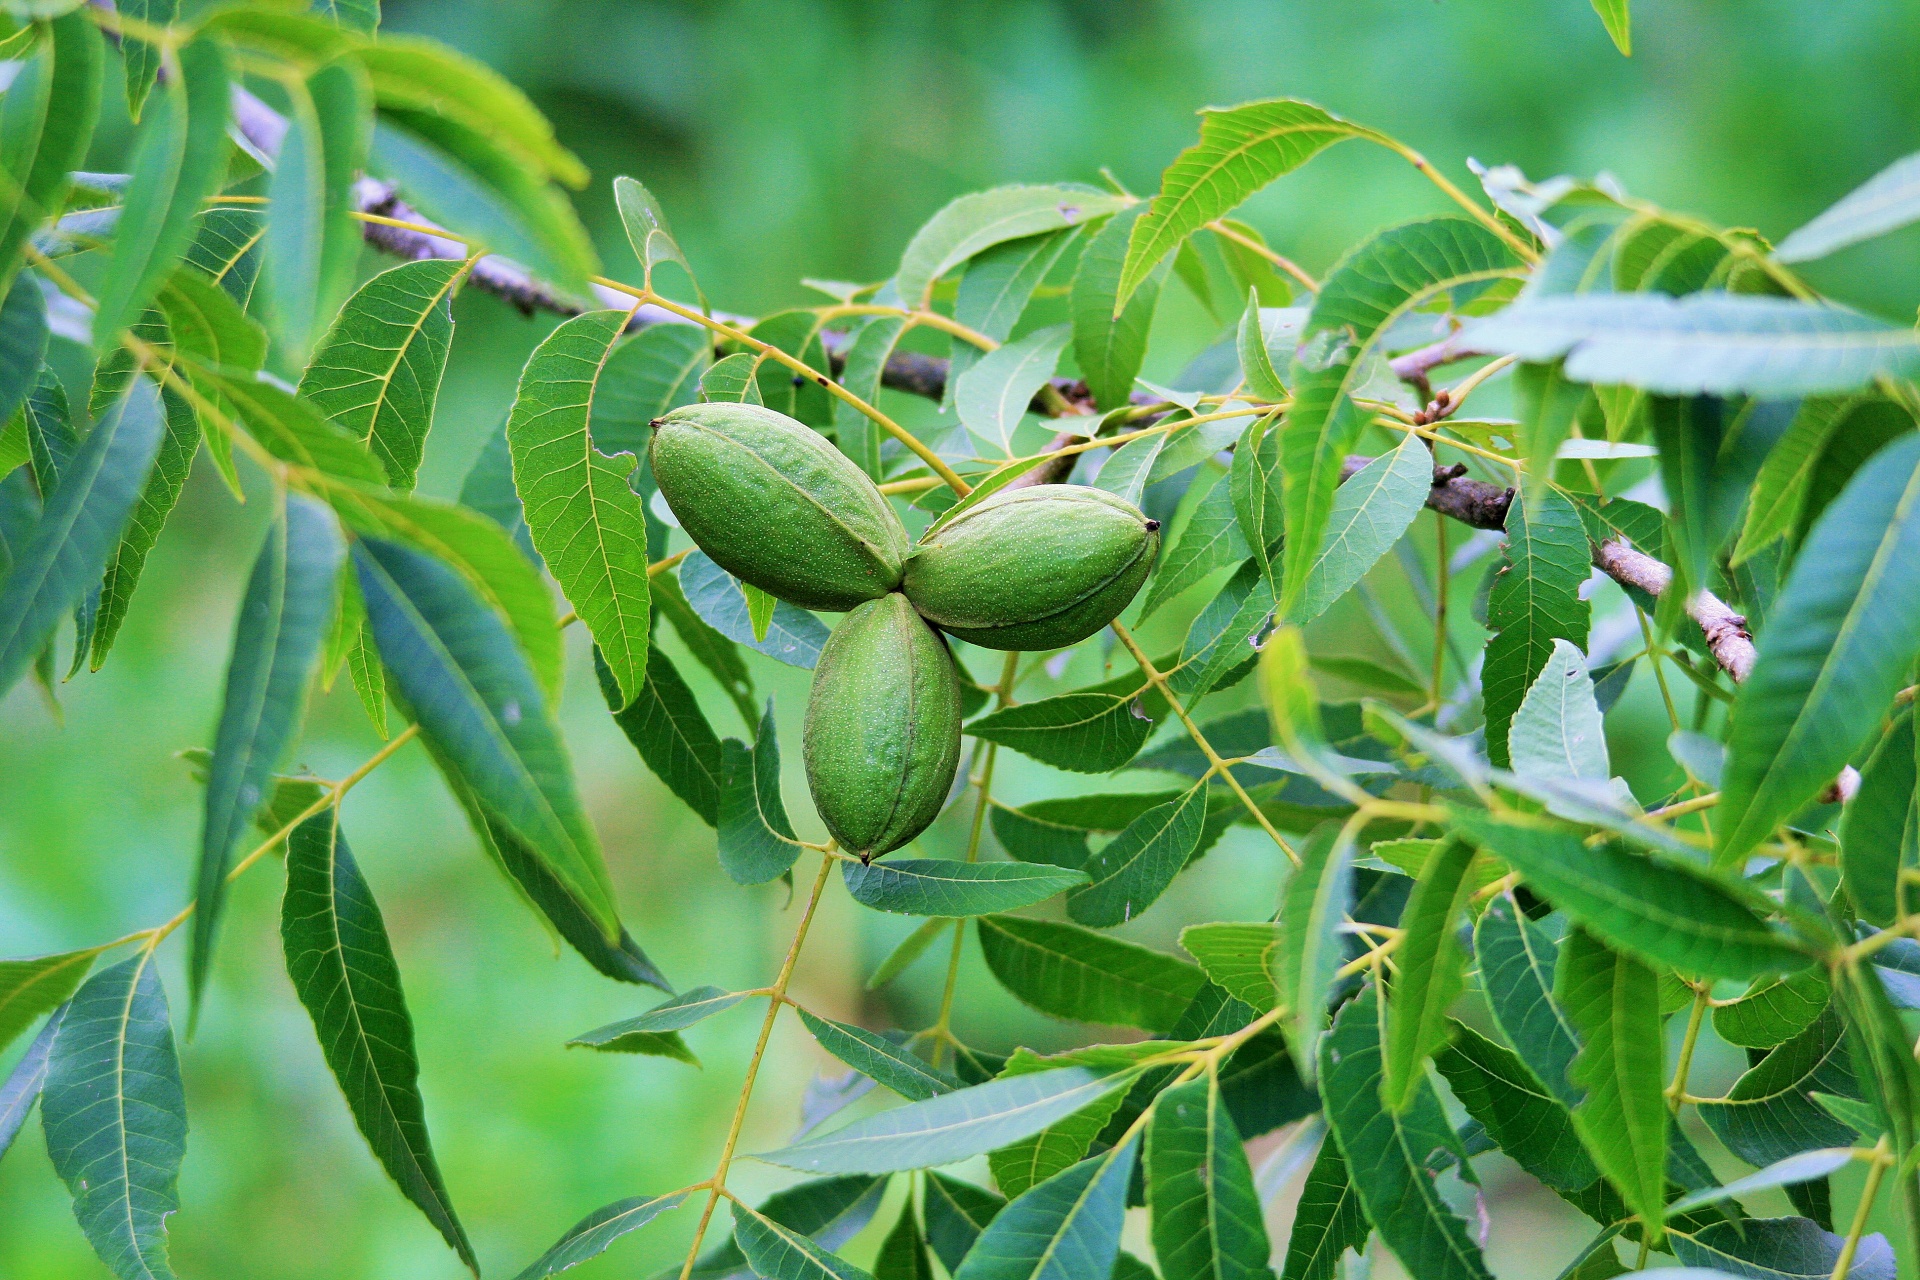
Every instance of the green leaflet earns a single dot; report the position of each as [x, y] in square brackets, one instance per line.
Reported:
[1207, 1221]
[63, 557]
[291, 429]
[866, 360]
[1528, 1123]
[1879, 831]
[828, 1210]
[716, 598]
[377, 372]
[1774, 1010]
[1370, 512]
[1534, 602]
[1110, 333]
[646, 226]
[880, 1059]
[1613, 1002]
[677, 1014]
[226, 248]
[1551, 408]
[1711, 343]
[1254, 480]
[732, 378]
[1837, 645]
[1241, 149]
[711, 649]
[1781, 1249]
[998, 284]
[957, 1212]
[1770, 1113]
[179, 159]
[976, 222]
[1614, 15]
[1312, 907]
[1517, 959]
[21, 1089]
[312, 242]
[1083, 732]
[589, 525]
[1256, 363]
[942, 887]
[756, 838]
[343, 969]
[1884, 202]
[1327, 1222]
[1387, 1153]
[992, 396]
[798, 334]
[477, 700]
[1076, 973]
[41, 984]
[172, 461]
[1221, 639]
[648, 374]
[951, 1126]
[23, 344]
[1210, 541]
[39, 145]
[1371, 288]
[276, 647]
[1239, 958]
[589, 1237]
[1431, 970]
[1065, 1228]
[903, 1255]
[671, 733]
[1673, 914]
[778, 1253]
[1135, 868]
[1781, 490]
[116, 1116]
[1021, 1166]
[1557, 735]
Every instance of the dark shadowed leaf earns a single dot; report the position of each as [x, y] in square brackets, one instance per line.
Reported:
[957, 1212]
[903, 1255]
[671, 733]
[1076, 973]
[1327, 1222]
[171, 463]
[756, 838]
[1136, 867]
[1517, 959]
[779, 1253]
[1526, 1122]
[312, 242]
[1781, 1249]
[343, 969]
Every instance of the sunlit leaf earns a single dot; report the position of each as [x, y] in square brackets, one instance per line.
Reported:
[1240, 958]
[1557, 734]
[1370, 512]
[1109, 334]
[1613, 1002]
[1210, 541]
[977, 222]
[1431, 970]
[998, 284]
[1534, 602]
[1619, 25]
[41, 984]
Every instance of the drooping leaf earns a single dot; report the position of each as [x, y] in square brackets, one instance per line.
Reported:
[23, 344]
[21, 1089]
[866, 361]
[1387, 1152]
[1517, 959]
[1838, 643]
[1370, 512]
[903, 1255]
[1614, 13]
[755, 836]
[589, 525]
[1082, 732]
[1241, 149]
[1206, 1215]
[78, 528]
[1706, 343]
[116, 1116]
[941, 887]
[1313, 905]
[343, 969]
[1613, 1002]
[172, 461]
[590, 1237]
[880, 1059]
[974, 223]
[179, 159]
[1879, 832]
[671, 733]
[794, 637]
[476, 699]
[1371, 288]
[41, 984]
[45, 125]
[1675, 915]
[993, 394]
[1067, 1227]
[1784, 486]
[1109, 334]
[950, 1126]
[1210, 541]
[1527, 1123]
[312, 242]
[1076, 973]
[1431, 971]
[1136, 867]
[276, 647]
[1535, 601]
[377, 372]
[1327, 1222]
[779, 1253]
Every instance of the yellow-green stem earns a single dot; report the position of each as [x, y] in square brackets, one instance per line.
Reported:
[1684, 1067]
[1868, 1194]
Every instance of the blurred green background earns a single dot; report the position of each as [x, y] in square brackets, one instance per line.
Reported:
[792, 138]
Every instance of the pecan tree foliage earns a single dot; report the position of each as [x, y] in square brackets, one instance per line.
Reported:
[1484, 934]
